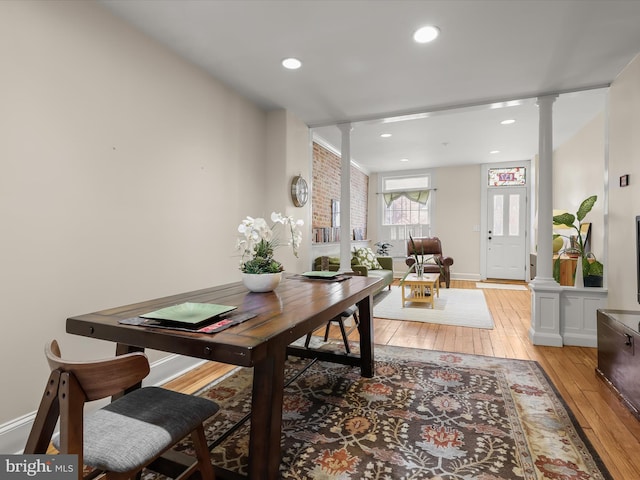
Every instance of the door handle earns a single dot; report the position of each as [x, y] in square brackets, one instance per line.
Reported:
[629, 340]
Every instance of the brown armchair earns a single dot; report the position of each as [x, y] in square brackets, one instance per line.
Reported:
[430, 247]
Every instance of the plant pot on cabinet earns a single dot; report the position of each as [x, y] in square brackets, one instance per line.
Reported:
[592, 281]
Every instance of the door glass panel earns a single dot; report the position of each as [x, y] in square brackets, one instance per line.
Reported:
[498, 215]
[514, 215]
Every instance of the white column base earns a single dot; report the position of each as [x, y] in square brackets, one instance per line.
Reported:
[564, 315]
[545, 312]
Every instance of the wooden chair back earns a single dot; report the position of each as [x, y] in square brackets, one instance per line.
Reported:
[101, 378]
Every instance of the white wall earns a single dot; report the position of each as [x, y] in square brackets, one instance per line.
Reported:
[624, 203]
[125, 172]
[289, 153]
[578, 173]
[457, 213]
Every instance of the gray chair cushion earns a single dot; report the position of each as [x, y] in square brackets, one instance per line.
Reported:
[134, 429]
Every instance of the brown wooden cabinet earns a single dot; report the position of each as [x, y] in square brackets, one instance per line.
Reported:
[618, 361]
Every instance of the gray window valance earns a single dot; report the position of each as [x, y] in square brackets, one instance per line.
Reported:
[420, 196]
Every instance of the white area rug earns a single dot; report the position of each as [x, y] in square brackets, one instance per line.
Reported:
[501, 286]
[455, 306]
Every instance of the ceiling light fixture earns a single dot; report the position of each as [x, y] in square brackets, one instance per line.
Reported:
[507, 122]
[426, 34]
[385, 135]
[291, 63]
[404, 159]
[493, 152]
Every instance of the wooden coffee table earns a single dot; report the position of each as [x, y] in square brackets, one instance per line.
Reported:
[421, 290]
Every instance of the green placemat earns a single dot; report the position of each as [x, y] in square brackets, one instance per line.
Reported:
[191, 313]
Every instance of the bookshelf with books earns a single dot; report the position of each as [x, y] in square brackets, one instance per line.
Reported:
[326, 235]
[332, 235]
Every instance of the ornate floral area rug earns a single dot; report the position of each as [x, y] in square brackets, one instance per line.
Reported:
[425, 415]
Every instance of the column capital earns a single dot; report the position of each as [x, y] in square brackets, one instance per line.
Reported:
[346, 127]
[546, 99]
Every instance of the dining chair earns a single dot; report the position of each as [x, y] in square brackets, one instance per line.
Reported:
[349, 312]
[127, 434]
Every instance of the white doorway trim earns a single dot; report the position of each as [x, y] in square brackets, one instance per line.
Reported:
[484, 228]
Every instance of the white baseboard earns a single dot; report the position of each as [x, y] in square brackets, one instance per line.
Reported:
[474, 277]
[14, 433]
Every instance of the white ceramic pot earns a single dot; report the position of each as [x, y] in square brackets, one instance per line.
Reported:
[261, 282]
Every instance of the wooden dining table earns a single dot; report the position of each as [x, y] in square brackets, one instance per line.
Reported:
[296, 307]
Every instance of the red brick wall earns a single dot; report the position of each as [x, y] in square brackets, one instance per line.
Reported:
[326, 187]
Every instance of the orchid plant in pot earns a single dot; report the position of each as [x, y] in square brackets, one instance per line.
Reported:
[261, 272]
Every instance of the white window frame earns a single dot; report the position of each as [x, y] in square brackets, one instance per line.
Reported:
[399, 249]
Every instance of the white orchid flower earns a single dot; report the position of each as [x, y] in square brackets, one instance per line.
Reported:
[260, 239]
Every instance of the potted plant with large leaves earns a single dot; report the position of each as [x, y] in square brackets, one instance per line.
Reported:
[592, 269]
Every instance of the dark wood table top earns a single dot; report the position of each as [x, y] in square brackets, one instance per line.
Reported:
[282, 316]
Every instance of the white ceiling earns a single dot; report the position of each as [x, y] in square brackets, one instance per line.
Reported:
[361, 65]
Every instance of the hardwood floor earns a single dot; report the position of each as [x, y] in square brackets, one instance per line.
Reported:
[610, 427]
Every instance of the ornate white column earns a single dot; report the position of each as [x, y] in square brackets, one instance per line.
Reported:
[345, 197]
[545, 298]
[544, 267]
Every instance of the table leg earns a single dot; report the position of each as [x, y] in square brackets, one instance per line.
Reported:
[365, 308]
[123, 349]
[266, 416]
[431, 295]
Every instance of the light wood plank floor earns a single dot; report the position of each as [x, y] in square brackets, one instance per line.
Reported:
[611, 428]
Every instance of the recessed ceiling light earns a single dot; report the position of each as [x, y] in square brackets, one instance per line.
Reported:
[404, 159]
[493, 152]
[426, 34]
[507, 122]
[385, 135]
[291, 63]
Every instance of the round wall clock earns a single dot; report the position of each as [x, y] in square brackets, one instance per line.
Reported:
[299, 191]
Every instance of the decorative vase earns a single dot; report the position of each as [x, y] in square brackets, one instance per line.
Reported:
[558, 242]
[579, 281]
[419, 271]
[261, 282]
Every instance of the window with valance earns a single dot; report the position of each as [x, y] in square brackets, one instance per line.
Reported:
[406, 209]
[419, 196]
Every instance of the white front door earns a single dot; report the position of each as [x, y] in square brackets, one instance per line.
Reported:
[506, 233]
